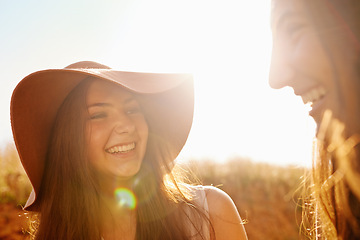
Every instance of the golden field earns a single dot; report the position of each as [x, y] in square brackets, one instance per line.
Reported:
[266, 195]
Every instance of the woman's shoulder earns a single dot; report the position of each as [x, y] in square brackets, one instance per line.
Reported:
[224, 215]
[218, 200]
[212, 194]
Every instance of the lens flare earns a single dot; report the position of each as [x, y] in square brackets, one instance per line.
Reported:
[125, 198]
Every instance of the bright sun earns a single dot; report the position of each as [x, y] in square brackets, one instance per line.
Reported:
[226, 44]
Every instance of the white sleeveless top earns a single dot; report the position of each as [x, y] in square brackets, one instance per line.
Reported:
[203, 227]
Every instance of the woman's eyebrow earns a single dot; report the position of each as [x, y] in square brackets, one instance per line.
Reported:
[99, 104]
[130, 100]
[103, 104]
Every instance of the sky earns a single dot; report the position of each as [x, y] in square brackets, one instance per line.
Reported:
[225, 44]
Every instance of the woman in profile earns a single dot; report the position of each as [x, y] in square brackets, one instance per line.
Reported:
[316, 51]
[99, 145]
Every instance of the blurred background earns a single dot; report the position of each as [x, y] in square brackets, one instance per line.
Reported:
[258, 140]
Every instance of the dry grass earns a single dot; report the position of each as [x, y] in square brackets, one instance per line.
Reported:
[14, 184]
[265, 195]
[14, 190]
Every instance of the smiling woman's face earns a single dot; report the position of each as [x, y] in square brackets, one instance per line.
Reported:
[117, 131]
[301, 61]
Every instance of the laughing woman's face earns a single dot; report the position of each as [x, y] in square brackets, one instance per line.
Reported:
[117, 131]
[302, 58]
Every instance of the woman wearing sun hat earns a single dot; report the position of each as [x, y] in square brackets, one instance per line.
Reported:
[99, 145]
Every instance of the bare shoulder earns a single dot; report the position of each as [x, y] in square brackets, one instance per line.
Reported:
[220, 203]
[224, 216]
[215, 196]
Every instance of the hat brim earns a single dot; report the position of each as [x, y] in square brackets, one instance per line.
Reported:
[167, 99]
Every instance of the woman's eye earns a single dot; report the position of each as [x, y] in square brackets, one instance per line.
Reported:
[133, 110]
[98, 115]
[294, 28]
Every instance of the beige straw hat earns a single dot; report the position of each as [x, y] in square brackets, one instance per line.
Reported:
[166, 98]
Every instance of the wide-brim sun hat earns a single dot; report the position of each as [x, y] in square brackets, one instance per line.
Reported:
[167, 100]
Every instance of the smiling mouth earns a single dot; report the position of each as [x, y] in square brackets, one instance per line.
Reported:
[313, 95]
[121, 148]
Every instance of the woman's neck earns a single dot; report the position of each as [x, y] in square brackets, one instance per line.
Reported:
[118, 220]
[118, 224]
[108, 184]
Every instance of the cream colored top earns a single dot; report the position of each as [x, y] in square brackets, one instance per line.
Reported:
[196, 227]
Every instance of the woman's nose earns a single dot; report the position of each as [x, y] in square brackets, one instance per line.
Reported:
[124, 124]
[280, 73]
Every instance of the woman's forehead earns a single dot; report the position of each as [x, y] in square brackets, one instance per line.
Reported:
[101, 89]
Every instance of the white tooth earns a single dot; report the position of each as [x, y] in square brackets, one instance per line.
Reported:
[313, 95]
[123, 148]
[130, 147]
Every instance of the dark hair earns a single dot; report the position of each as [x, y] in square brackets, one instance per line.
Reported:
[70, 193]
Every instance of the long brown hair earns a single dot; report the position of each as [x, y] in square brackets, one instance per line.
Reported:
[70, 194]
[332, 197]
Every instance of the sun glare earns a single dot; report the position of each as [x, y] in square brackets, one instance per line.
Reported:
[125, 198]
[226, 44]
